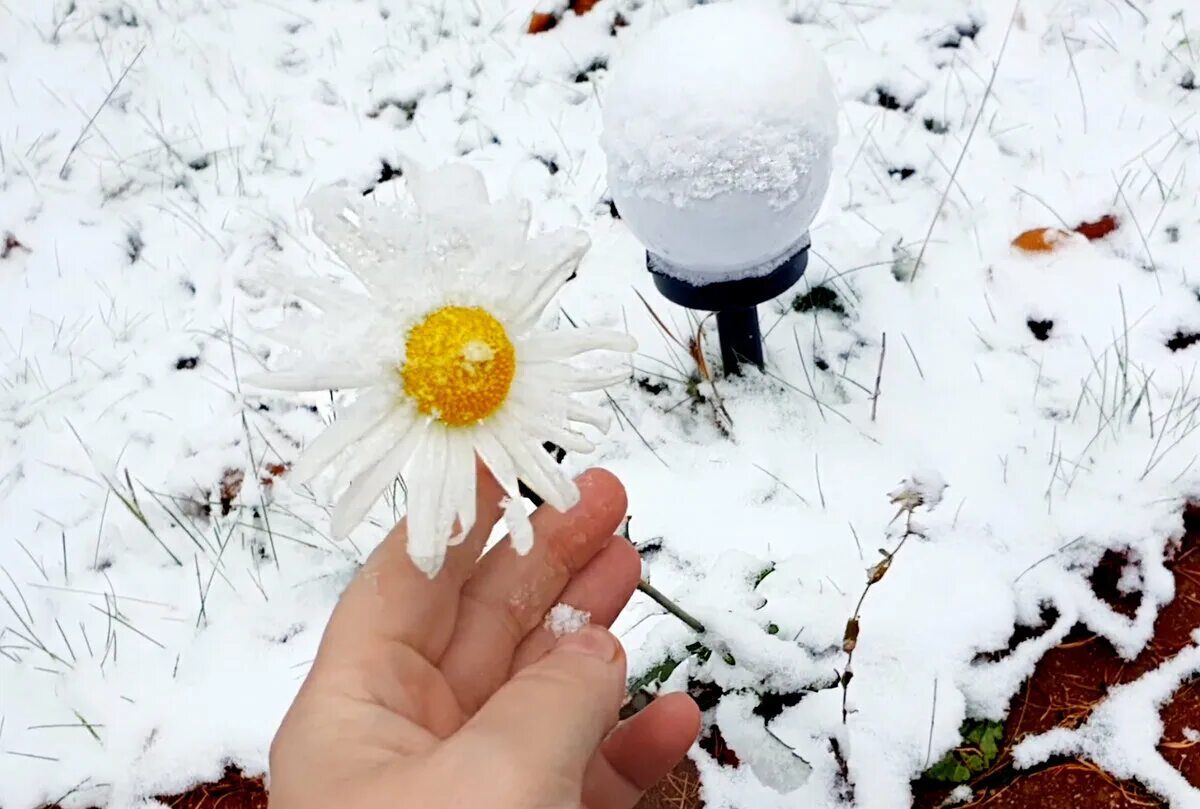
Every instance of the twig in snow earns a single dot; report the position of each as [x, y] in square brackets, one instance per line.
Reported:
[807, 376]
[1047, 558]
[932, 717]
[62, 172]
[857, 543]
[850, 637]
[782, 483]
[670, 606]
[1141, 234]
[879, 375]
[913, 354]
[1078, 82]
[127, 625]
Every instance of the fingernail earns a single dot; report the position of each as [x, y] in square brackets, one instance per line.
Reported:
[592, 642]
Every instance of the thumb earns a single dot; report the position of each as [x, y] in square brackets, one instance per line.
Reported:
[554, 714]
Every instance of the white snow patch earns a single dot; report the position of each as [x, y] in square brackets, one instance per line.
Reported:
[960, 794]
[563, 619]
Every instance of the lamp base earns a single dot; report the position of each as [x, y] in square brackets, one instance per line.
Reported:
[739, 292]
[735, 303]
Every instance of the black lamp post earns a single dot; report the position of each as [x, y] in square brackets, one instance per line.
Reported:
[735, 303]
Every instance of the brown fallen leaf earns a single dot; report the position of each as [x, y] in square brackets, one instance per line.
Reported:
[1098, 229]
[1040, 240]
[273, 470]
[540, 23]
[231, 486]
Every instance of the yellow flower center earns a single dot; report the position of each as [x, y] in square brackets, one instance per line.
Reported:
[459, 366]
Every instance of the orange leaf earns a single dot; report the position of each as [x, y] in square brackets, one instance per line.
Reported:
[1040, 240]
[1098, 229]
[538, 23]
[582, 7]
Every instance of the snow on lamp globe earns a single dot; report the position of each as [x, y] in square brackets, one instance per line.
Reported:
[719, 128]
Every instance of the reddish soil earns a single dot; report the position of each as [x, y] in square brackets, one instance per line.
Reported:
[679, 790]
[234, 791]
[1076, 675]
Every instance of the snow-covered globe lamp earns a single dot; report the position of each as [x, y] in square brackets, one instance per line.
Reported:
[719, 128]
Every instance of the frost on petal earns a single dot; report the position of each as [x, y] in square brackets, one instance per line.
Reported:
[446, 190]
[549, 262]
[337, 222]
[520, 529]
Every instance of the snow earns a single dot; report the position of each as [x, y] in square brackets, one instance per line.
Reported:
[563, 619]
[960, 794]
[178, 628]
[1123, 733]
[719, 127]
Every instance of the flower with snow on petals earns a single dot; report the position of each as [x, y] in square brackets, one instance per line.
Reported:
[443, 348]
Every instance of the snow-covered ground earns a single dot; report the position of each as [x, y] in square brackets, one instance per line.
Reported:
[164, 587]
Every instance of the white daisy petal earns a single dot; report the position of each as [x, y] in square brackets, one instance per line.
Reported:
[540, 427]
[332, 375]
[355, 422]
[448, 189]
[583, 413]
[375, 444]
[497, 459]
[569, 379]
[536, 468]
[332, 209]
[460, 466]
[564, 250]
[357, 500]
[562, 345]
[520, 529]
[322, 293]
[426, 545]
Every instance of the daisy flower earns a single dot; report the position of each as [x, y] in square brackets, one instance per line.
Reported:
[443, 349]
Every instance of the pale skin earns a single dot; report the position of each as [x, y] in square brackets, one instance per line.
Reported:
[449, 693]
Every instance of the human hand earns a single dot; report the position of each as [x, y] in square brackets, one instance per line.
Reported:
[449, 692]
